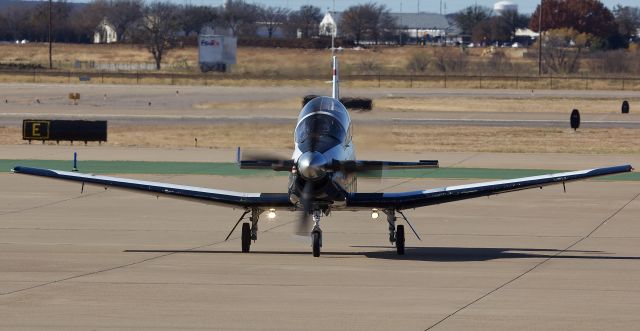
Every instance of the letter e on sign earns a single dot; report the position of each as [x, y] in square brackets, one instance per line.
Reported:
[35, 130]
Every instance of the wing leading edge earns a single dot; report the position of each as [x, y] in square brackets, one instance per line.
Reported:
[199, 194]
[406, 200]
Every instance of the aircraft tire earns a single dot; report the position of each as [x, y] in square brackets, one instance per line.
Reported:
[246, 237]
[400, 239]
[316, 239]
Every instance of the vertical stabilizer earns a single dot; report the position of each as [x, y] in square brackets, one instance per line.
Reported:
[336, 80]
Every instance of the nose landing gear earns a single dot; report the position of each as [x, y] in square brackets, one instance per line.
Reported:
[316, 234]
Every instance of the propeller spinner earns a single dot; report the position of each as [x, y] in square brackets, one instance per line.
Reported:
[312, 165]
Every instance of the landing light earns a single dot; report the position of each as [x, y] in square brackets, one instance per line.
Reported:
[271, 214]
[374, 214]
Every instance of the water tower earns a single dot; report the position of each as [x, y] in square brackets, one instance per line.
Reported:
[504, 6]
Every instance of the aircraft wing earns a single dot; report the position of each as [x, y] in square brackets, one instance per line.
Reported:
[406, 200]
[199, 194]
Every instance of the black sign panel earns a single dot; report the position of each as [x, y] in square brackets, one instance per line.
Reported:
[35, 129]
[575, 119]
[64, 130]
[625, 107]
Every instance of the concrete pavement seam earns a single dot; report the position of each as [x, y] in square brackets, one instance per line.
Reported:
[512, 280]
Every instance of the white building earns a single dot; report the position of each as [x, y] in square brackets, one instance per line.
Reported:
[105, 33]
[504, 6]
[415, 25]
[328, 25]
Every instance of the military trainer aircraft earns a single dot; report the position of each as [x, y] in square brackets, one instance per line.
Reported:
[323, 171]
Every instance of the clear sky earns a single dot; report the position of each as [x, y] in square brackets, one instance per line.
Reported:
[404, 5]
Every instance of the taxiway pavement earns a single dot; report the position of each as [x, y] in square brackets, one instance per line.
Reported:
[198, 105]
[531, 260]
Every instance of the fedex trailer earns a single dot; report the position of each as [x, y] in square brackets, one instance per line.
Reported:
[216, 52]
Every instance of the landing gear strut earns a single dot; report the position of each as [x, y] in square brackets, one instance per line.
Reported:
[316, 234]
[249, 230]
[396, 235]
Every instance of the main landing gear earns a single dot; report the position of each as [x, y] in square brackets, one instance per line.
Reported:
[249, 229]
[396, 235]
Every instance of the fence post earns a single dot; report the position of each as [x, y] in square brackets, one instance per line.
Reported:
[138, 77]
[445, 80]
[480, 76]
[69, 77]
[411, 80]
[34, 75]
[102, 77]
[551, 82]
[516, 81]
[378, 80]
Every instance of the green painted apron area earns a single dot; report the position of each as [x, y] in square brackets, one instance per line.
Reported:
[231, 169]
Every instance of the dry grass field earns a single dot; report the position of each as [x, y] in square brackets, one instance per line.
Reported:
[264, 61]
[409, 138]
[293, 67]
[394, 105]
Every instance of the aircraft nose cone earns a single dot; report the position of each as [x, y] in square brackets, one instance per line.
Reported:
[311, 165]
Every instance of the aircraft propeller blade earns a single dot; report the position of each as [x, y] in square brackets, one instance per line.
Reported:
[304, 216]
[263, 160]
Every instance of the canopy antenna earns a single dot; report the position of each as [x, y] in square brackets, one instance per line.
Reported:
[336, 81]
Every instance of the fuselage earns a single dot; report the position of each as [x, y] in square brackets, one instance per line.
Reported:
[322, 136]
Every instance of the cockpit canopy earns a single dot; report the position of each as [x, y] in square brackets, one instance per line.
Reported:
[324, 121]
[318, 126]
[327, 105]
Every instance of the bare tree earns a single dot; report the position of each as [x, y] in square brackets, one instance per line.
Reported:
[307, 19]
[157, 29]
[385, 25]
[562, 49]
[355, 23]
[124, 14]
[15, 22]
[193, 18]
[471, 16]
[628, 19]
[272, 18]
[39, 17]
[86, 20]
[367, 21]
[239, 17]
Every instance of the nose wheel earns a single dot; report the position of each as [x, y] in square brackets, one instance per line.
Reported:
[316, 234]
[316, 242]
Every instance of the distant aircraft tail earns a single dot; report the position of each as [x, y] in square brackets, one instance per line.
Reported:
[336, 80]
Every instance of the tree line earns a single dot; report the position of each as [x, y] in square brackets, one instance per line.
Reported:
[76, 22]
[581, 24]
[73, 22]
[605, 28]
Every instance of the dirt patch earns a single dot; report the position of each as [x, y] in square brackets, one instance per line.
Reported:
[506, 105]
[408, 138]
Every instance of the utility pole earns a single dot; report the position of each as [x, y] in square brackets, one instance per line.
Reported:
[540, 40]
[50, 57]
